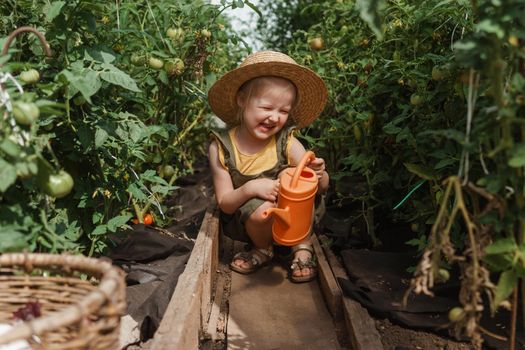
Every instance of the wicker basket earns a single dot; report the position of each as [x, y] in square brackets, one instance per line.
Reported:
[81, 301]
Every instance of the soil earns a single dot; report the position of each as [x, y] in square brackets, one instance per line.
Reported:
[395, 337]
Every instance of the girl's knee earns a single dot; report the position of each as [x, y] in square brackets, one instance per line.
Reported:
[257, 216]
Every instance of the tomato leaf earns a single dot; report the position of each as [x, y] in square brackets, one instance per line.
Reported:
[99, 230]
[517, 159]
[86, 81]
[115, 76]
[10, 148]
[7, 175]
[11, 239]
[253, 7]
[507, 282]
[101, 136]
[136, 192]
[53, 10]
[96, 55]
[506, 245]
[118, 221]
[491, 26]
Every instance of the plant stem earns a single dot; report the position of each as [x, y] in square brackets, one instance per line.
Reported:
[521, 241]
[514, 316]
[138, 211]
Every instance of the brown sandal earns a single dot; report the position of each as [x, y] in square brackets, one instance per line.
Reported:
[257, 258]
[299, 264]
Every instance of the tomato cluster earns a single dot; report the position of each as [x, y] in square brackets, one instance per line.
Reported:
[147, 219]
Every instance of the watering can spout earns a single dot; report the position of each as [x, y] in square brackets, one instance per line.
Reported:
[282, 216]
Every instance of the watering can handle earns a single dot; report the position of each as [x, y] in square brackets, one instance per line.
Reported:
[307, 158]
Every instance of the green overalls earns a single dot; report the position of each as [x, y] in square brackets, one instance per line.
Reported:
[233, 224]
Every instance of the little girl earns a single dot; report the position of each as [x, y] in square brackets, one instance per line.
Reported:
[262, 101]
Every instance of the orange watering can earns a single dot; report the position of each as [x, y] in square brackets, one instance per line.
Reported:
[293, 215]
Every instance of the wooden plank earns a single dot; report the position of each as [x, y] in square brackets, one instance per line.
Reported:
[209, 267]
[213, 321]
[337, 268]
[329, 287]
[183, 320]
[360, 326]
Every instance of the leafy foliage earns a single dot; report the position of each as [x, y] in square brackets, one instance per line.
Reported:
[121, 97]
[422, 92]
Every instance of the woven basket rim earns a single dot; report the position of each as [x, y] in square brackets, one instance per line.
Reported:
[111, 278]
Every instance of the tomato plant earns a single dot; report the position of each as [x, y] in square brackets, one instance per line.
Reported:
[444, 81]
[121, 95]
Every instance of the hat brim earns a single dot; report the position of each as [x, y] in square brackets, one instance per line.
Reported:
[311, 90]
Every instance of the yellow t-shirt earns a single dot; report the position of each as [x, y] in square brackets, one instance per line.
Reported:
[252, 164]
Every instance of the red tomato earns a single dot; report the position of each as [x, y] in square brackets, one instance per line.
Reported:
[148, 219]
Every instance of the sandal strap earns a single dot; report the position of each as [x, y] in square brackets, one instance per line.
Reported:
[309, 262]
[303, 246]
[256, 257]
[301, 264]
[268, 252]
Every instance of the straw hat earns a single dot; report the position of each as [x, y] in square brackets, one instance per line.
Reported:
[311, 90]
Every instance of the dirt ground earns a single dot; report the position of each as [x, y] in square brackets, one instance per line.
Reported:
[395, 337]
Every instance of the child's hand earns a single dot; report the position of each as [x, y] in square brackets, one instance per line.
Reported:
[318, 166]
[266, 189]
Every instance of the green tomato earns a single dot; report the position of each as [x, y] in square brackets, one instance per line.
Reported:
[171, 33]
[155, 63]
[79, 100]
[25, 113]
[137, 59]
[456, 314]
[59, 185]
[174, 67]
[357, 133]
[438, 73]
[206, 33]
[167, 171]
[30, 76]
[176, 34]
[416, 100]
[443, 275]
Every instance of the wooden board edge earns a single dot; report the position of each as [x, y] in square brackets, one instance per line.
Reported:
[182, 323]
[360, 327]
[329, 287]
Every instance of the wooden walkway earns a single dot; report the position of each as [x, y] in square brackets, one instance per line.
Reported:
[214, 309]
[268, 312]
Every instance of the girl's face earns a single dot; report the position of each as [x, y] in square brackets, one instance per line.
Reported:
[267, 108]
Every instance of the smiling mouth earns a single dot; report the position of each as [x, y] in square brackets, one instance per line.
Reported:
[267, 126]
